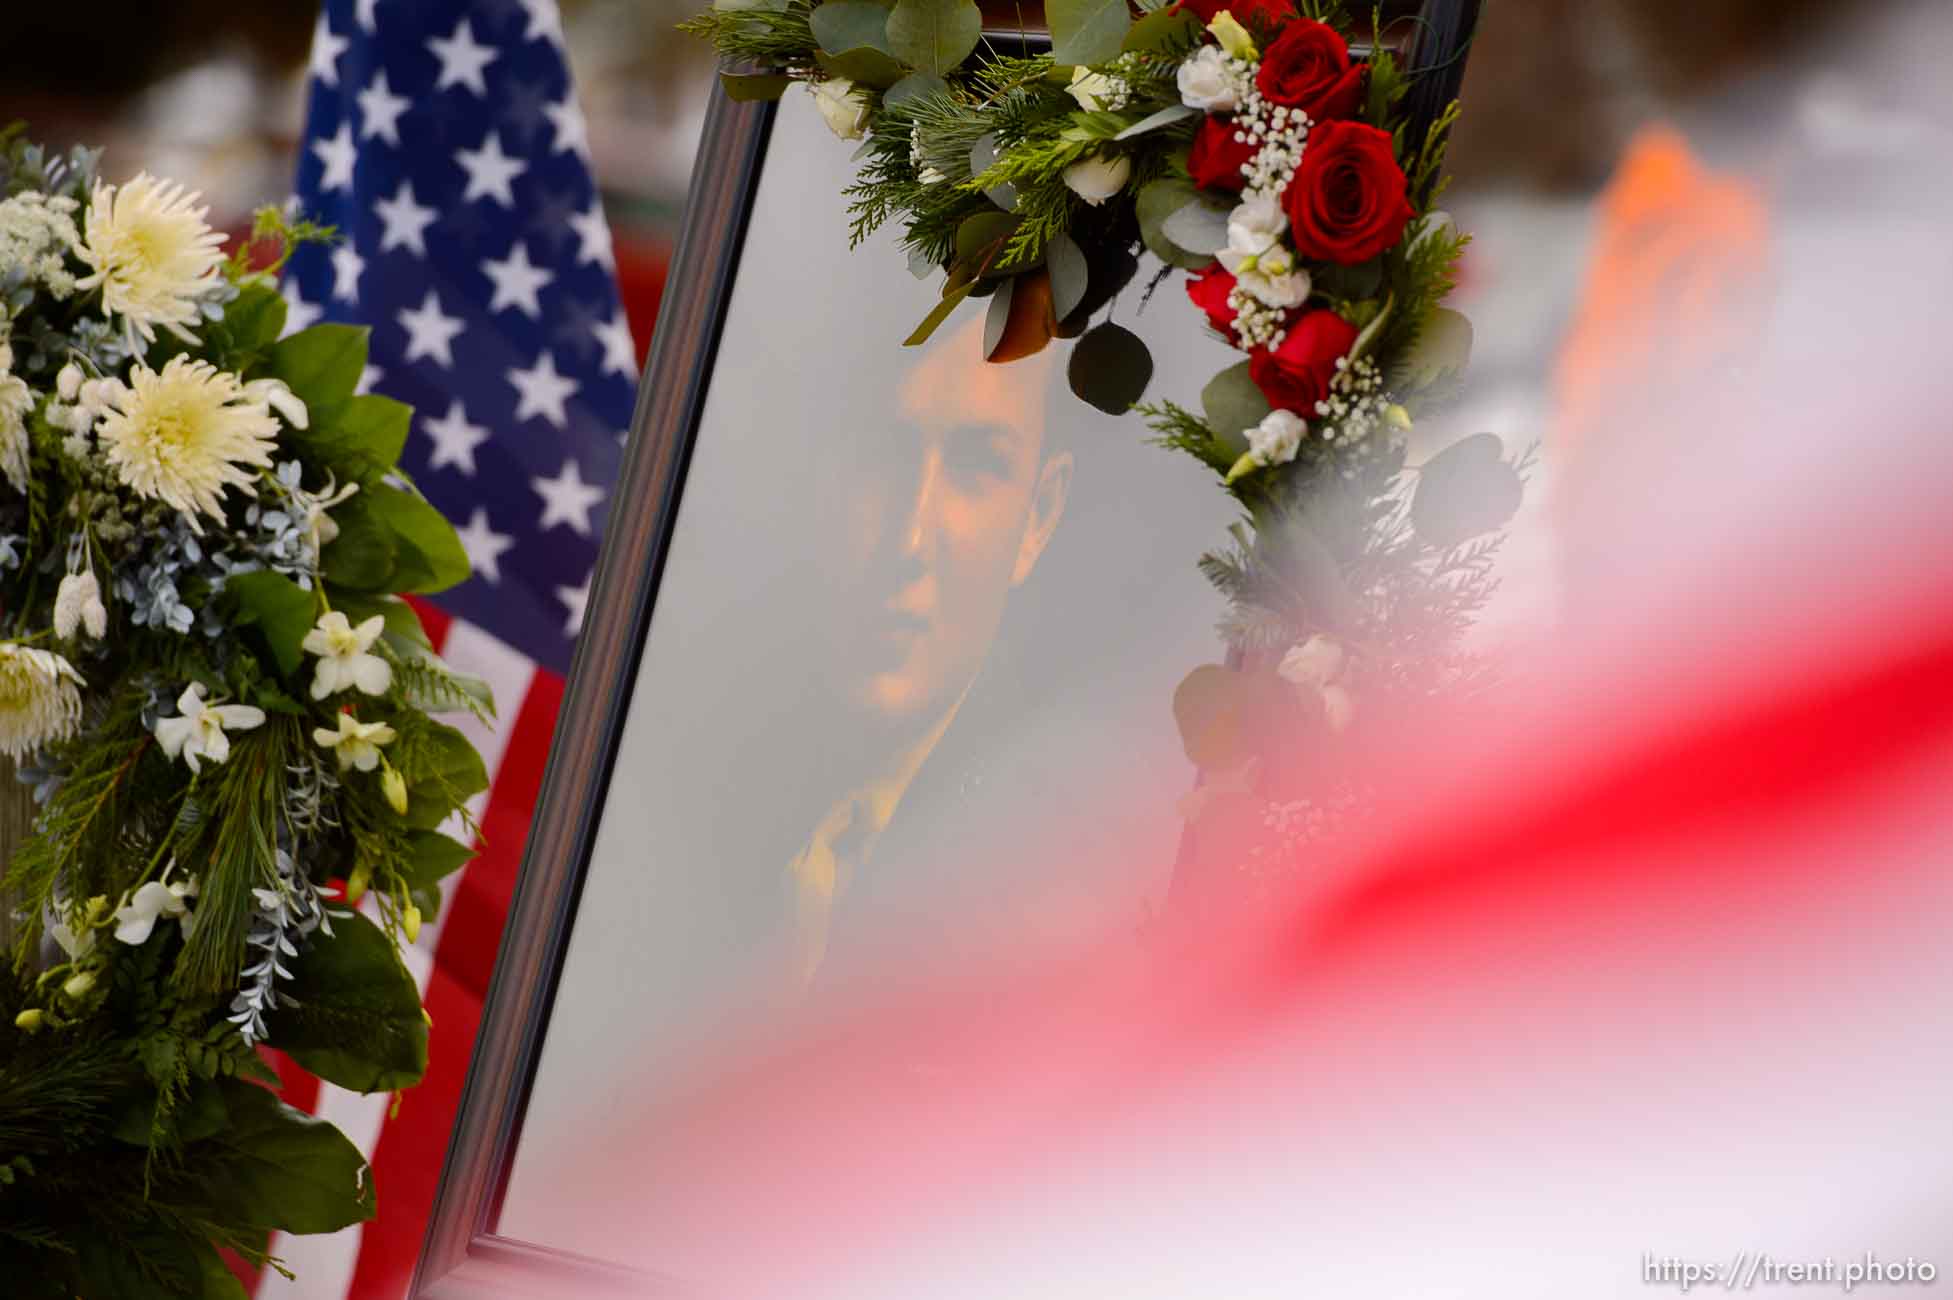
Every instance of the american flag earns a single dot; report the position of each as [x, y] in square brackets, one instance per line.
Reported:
[445, 144]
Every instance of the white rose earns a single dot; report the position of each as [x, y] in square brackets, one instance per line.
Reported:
[1095, 91]
[1257, 258]
[1277, 438]
[1205, 83]
[1316, 662]
[846, 112]
[1097, 179]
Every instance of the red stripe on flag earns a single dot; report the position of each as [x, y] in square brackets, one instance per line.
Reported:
[407, 1160]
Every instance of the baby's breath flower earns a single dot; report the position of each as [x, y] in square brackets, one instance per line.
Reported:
[184, 434]
[151, 254]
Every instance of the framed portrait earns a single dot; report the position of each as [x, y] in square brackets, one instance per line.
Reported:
[873, 691]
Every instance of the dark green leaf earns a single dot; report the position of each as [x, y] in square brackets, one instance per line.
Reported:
[430, 557]
[1232, 403]
[934, 35]
[1087, 31]
[280, 1168]
[365, 553]
[747, 87]
[843, 25]
[1110, 368]
[1164, 31]
[432, 857]
[1349, 283]
[353, 1016]
[1443, 348]
[280, 609]
[937, 316]
[913, 87]
[443, 774]
[1070, 275]
[869, 67]
[322, 365]
[1157, 201]
[1465, 490]
[219, 1283]
[1154, 121]
[1198, 227]
[980, 234]
[252, 321]
[998, 317]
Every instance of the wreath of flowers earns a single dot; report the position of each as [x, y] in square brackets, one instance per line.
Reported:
[1242, 142]
[222, 703]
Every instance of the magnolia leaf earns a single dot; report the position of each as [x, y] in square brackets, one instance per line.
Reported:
[1158, 200]
[1154, 121]
[1467, 489]
[280, 609]
[869, 67]
[321, 365]
[1221, 714]
[1027, 326]
[1198, 228]
[933, 35]
[980, 234]
[1110, 368]
[252, 321]
[843, 25]
[1071, 275]
[915, 86]
[1164, 31]
[278, 1167]
[428, 554]
[351, 1013]
[1086, 31]
[431, 858]
[983, 156]
[748, 87]
[936, 316]
[1233, 404]
[998, 316]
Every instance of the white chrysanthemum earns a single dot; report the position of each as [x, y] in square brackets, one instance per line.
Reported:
[181, 434]
[16, 400]
[151, 254]
[40, 699]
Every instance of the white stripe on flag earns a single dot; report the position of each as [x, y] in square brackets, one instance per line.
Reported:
[324, 1264]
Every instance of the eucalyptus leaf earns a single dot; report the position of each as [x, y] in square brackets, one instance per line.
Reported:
[915, 86]
[429, 556]
[934, 35]
[997, 319]
[868, 66]
[1197, 227]
[921, 265]
[843, 25]
[1232, 404]
[936, 316]
[980, 233]
[1154, 121]
[351, 1013]
[1071, 275]
[983, 156]
[1163, 31]
[1156, 201]
[1086, 32]
[1465, 490]
[750, 87]
[1110, 368]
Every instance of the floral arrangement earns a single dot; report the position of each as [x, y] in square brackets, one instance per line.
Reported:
[1243, 142]
[210, 680]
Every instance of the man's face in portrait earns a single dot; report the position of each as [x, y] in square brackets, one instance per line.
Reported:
[952, 502]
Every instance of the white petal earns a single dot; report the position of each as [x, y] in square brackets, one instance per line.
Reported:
[371, 674]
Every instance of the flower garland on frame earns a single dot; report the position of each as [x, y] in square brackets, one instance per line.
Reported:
[1244, 143]
[209, 677]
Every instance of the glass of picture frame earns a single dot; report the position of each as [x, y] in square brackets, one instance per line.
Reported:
[872, 692]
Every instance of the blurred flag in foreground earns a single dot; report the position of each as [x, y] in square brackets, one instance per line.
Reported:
[444, 142]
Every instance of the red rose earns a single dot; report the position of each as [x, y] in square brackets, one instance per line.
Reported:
[1209, 290]
[1263, 17]
[1295, 376]
[1308, 67]
[1216, 159]
[1347, 201]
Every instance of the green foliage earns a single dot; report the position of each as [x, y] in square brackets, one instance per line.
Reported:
[1086, 32]
[353, 1015]
[442, 769]
[281, 610]
[933, 36]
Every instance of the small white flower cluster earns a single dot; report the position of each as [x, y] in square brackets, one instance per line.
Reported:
[36, 232]
[1256, 325]
[923, 171]
[1356, 403]
[1279, 134]
[1099, 92]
